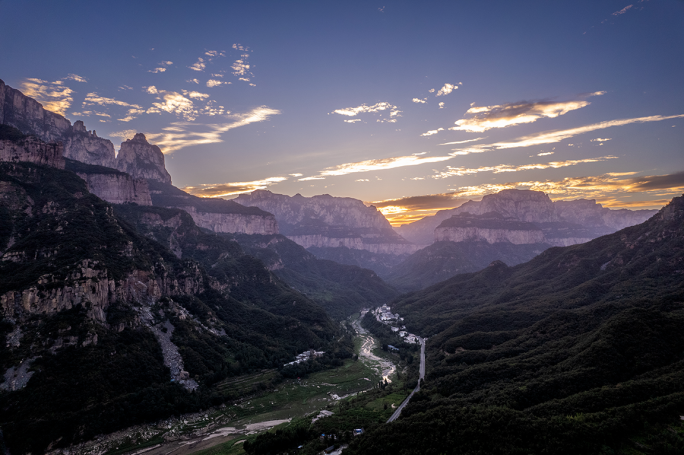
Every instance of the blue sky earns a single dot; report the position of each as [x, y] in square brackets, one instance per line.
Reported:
[414, 106]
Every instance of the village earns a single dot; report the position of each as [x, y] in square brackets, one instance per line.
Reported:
[306, 355]
[395, 322]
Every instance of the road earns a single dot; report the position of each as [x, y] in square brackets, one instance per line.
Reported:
[395, 416]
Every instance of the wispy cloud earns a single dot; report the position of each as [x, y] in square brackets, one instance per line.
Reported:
[157, 70]
[408, 209]
[132, 111]
[75, 77]
[598, 139]
[432, 132]
[184, 134]
[484, 118]
[376, 165]
[461, 171]
[125, 134]
[623, 10]
[232, 188]
[420, 101]
[376, 108]
[463, 142]
[354, 120]
[549, 137]
[54, 96]
[199, 65]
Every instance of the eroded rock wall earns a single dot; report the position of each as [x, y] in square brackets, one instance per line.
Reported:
[233, 222]
[33, 150]
[142, 160]
[118, 188]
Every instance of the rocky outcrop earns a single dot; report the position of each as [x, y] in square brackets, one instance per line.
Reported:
[33, 150]
[142, 160]
[490, 227]
[325, 221]
[111, 185]
[29, 116]
[218, 215]
[86, 147]
[91, 285]
[236, 223]
[564, 223]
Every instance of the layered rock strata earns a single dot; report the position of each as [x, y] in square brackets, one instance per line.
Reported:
[218, 215]
[113, 186]
[325, 221]
[142, 160]
[32, 150]
[490, 227]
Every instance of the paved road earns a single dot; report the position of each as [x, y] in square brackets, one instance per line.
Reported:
[421, 376]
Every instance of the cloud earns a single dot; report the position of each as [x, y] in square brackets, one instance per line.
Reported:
[379, 164]
[200, 65]
[461, 171]
[306, 179]
[240, 68]
[193, 81]
[125, 134]
[549, 137]
[215, 83]
[231, 189]
[376, 108]
[54, 96]
[183, 134]
[195, 95]
[157, 70]
[418, 100]
[354, 120]
[408, 209]
[448, 88]
[441, 105]
[623, 10]
[432, 132]
[133, 111]
[75, 77]
[545, 153]
[432, 90]
[463, 142]
[501, 116]
[658, 182]
[598, 139]
[295, 175]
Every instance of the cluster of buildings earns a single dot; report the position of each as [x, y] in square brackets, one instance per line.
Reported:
[384, 314]
[306, 355]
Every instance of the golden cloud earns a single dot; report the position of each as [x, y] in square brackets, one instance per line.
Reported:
[484, 118]
[231, 189]
[183, 134]
[448, 88]
[380, 164]
[549, 137]
[461, 171]
[432, 132]
[54, 96]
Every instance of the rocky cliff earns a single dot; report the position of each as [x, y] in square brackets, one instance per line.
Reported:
[218, 215]
[141, 159]
[325, 221]
[563, 222]
[491, 227]
[29, 116]
[30, 149]
[113, 186]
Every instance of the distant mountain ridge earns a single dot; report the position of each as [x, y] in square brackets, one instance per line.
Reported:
[554, 218]
[325, 221]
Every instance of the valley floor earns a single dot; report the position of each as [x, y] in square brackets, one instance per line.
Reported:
[213, 430]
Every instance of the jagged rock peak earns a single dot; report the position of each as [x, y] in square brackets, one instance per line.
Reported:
[79, 127]
[142, 160]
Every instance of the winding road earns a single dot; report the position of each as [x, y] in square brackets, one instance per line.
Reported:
[395, 416]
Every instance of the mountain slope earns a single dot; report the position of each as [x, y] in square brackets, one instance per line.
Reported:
[580, 350]
[340, 289]
[110, 323]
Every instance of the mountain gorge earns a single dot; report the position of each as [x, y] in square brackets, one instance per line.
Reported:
[577, 351]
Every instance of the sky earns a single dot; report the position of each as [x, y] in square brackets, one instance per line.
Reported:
[411, 106]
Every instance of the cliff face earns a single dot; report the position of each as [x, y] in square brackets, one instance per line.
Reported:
[142, 160]
[33, 150]
[330, 222]
[563, 222]
[29, 116]
[218, 215]
[86, 147]
[491, 227]
[118, 188]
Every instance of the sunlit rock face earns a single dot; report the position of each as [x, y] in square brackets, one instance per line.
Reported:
[29, 116]
[218, 215]
[142, 160]
[563, 223]
[86, 147]
[491, 227]
[33, 150]
[330, 222]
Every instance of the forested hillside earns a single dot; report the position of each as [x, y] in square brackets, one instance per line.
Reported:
[580, 350]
